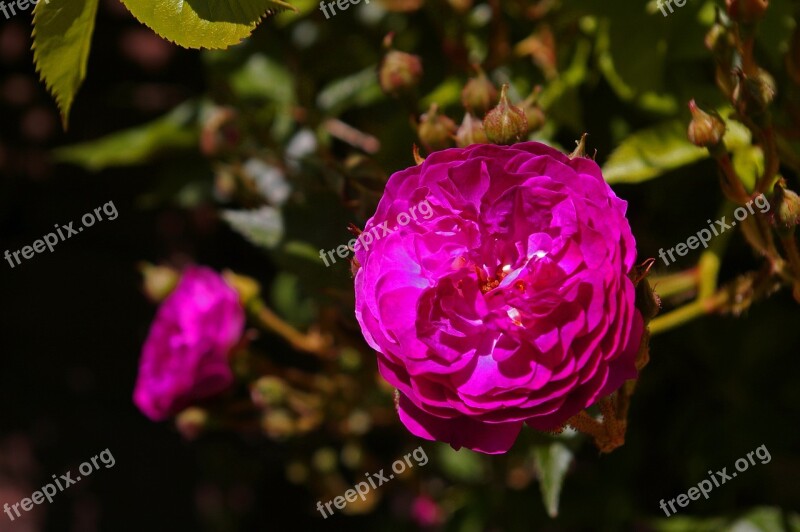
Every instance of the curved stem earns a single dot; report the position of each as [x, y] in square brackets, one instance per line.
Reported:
[313, 343]
[687, 313]
[676, 283]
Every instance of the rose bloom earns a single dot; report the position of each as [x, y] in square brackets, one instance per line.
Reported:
[185, 356]
[511, 304]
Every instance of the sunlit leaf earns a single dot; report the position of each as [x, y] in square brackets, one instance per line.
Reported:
[654, 151]
[760, 519]
[552, 461]
[176, 130]
[62, 38]
[355, 90]
[203, 23]
[263, 227]
[462, 465]
[651, 152]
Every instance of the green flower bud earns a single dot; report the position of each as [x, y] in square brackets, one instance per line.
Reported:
[278, 424]
[535, 117]
[787, 213]
[247, 287]
[158, 281]
[721, 42]
[479, 94]
[399, 72]
[436, 131]
[505, 124]
[705, 130]
[461, 6]
[268, 391]
[470, 132]
[191, 422]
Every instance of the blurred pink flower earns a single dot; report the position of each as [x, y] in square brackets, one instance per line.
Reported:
[425, 512]
[185, 356]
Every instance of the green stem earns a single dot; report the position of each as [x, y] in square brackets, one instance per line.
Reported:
[675, 284]
[687, 313]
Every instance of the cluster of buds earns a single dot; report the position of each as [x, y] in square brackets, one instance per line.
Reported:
[502, 122]
[286, 411]
[731, 41]
[487, 118]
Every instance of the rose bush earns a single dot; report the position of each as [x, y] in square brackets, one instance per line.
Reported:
[511, 304]
[185, 356]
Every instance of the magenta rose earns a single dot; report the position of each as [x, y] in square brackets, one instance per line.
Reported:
[185, 356]
[508, 301]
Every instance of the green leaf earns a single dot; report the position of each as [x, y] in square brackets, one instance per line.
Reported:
[651, 152]
[552, 461]
[654, 151]
[263, 227]
[290, 300]
[176, 130]
[446, 93]
[203, 23]
[263, 80]
[758, 519]
[62, 38]
[355, 90]
[748, 162]
[462, 465]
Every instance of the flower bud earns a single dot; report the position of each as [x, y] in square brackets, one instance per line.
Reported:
[754, 93]
[268, 391]
[505, 124]
[705, 130]
[435, 130]
[158, 281]
[746, 11]
[787, 215]
[191, 422]
[720, 41]
[479, 94]
[470, 132]
[220, 132]
[461, 6]
[535, 117]
[247, 287]
[278, 424]
[399, 72]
